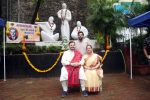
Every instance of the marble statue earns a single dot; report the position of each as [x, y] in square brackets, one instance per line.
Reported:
[78, 28]
[48, 28]
[65, 15]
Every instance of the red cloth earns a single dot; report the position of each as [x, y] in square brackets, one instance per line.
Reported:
[73, 72]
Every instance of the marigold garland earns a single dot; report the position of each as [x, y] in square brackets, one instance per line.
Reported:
[105, 55]
[38, 70]
[50, 68]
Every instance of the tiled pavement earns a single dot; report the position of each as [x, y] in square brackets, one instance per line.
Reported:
[115, 87]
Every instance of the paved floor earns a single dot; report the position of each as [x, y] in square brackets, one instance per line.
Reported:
[115, 87]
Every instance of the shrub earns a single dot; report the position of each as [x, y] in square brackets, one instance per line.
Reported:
[31, 49]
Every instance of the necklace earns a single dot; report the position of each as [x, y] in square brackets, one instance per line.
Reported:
[51, 25]
[78, 28]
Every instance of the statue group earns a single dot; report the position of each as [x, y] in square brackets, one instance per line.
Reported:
[48, 28]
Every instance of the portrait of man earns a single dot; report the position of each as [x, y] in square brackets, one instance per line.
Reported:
[13, 34]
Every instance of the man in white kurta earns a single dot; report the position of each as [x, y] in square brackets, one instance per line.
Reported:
[78, 28]
[82, 42]
[65, 15]
[66, 60]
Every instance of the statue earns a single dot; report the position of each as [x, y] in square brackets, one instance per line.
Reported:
[78, 28]
[65, 15]
[48, 29]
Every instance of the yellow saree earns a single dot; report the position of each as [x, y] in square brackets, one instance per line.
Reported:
[93, 72]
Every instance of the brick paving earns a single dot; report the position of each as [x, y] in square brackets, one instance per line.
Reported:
[115, 87]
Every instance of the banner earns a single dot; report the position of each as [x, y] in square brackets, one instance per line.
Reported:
[17, 32]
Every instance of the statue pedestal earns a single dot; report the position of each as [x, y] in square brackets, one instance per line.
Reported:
[59, 43]
[54, 43]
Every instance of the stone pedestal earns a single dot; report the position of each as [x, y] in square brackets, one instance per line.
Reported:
[59, 43]
[55, 43]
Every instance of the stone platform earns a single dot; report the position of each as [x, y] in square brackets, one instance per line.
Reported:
[59, 43]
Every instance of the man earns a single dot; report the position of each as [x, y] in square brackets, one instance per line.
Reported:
[72, 73]
[13, 34]
[82, 42]
[146, 48]
[65, 15]
[78, 28]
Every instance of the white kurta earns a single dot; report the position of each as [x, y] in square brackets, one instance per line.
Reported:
[81, 46]
[65, 29]
[66, 59]
[75, 31]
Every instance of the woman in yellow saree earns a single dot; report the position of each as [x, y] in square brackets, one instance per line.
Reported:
[93, 70]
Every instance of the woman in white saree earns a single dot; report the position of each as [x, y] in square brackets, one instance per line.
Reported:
[93, 70]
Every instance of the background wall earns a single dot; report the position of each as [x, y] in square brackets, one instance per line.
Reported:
[26, 8]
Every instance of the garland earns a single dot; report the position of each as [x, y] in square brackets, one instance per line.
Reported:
[38, 70]
[50, 68]
[29, 62]
[105, 55]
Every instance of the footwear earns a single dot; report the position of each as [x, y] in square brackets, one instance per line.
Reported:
[85, 94]
[64, 94]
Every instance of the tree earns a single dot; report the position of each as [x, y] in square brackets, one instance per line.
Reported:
[103, 18]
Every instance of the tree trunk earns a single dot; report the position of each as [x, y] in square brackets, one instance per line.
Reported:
[36, 11]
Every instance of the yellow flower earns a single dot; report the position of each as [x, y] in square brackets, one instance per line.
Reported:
[42, 71]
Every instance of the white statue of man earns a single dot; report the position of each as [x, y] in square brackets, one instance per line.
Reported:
[65, 15]
[78, 28]
[48, 29]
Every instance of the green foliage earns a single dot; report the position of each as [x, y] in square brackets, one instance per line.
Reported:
[54, 49]
[103, 18]
[43, 49]
[100, 38]
[13, 49]
[137, 48]
[138, 9]
[34, 49]
[31, 49]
